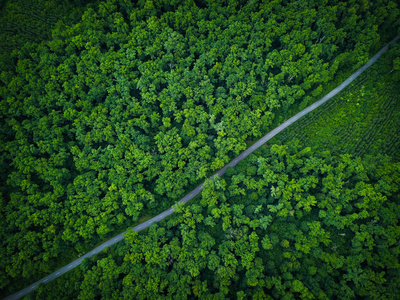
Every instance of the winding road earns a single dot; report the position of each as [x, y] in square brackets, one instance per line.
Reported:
[197, 190]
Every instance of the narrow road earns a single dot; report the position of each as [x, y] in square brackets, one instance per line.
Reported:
[197, 190]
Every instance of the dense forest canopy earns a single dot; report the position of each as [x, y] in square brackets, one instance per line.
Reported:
[287, 223]
[116, 109]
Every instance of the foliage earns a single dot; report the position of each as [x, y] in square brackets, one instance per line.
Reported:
[115, 116]
[321, 226]
[363, 119]
[27, 21]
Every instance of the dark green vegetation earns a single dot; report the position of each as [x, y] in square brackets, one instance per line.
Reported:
[32, 21]
[287, 223]
[115, 116]
[362, 119]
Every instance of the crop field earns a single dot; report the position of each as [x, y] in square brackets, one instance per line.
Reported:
[363, 119]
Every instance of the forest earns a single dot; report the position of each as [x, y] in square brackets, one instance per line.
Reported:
[287, 223]
[112, 111]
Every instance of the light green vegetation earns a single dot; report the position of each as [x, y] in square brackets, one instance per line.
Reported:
[119, 108]
[363, 119]
[286, 223]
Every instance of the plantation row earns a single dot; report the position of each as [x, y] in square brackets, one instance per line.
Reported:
[362, 119]
[29, 21]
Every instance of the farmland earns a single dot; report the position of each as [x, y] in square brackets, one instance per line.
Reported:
[362, 119]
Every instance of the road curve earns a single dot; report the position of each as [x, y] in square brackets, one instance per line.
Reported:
[197, 190]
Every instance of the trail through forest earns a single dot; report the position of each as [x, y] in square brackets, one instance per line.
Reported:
[197, 190]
